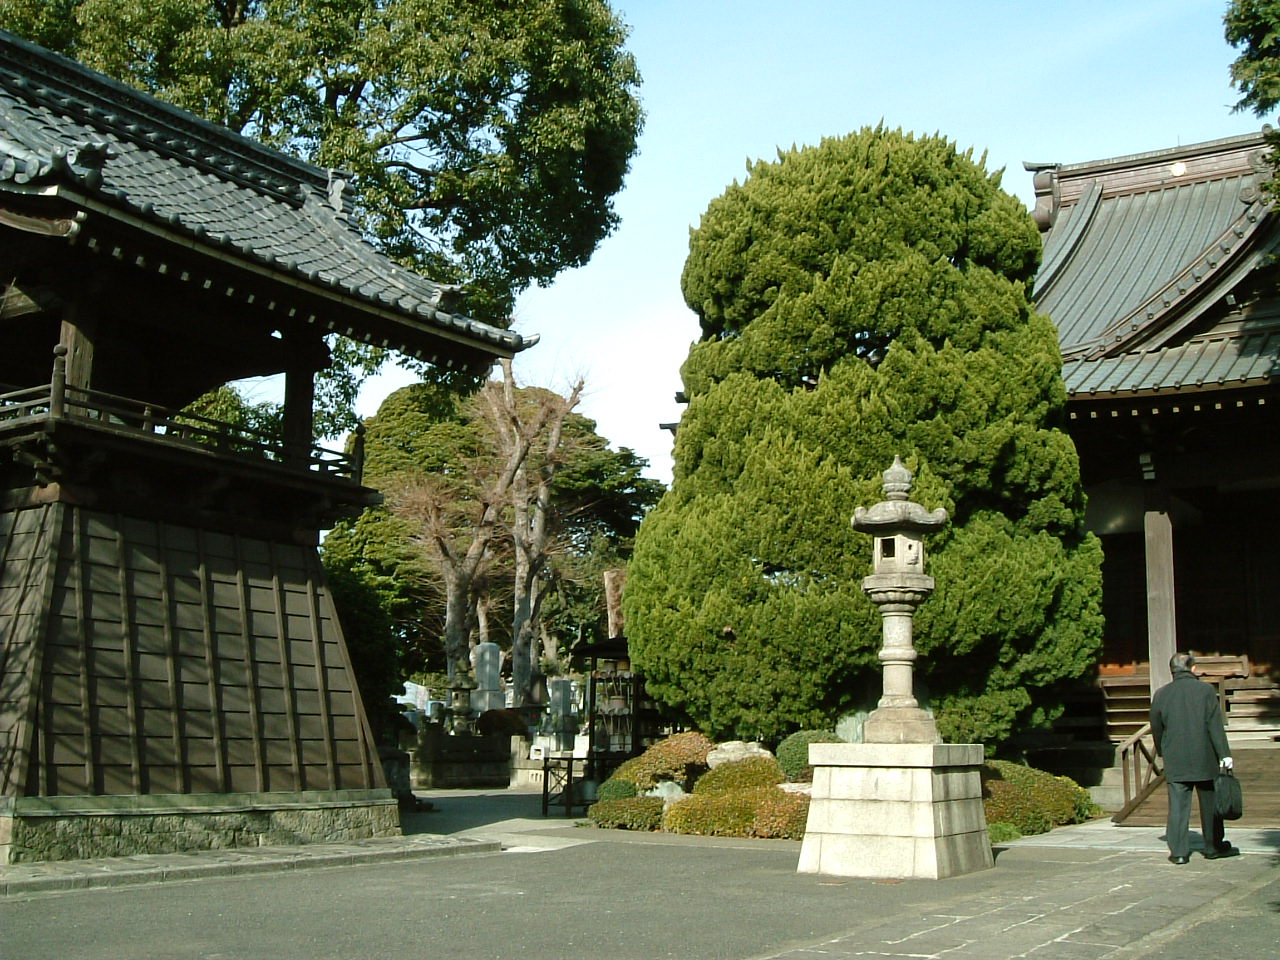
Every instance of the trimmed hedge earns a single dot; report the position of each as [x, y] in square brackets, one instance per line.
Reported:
[1030, 800]
[742, 774]
[793, 753]
[627, 813]
[767, 812]
[680, 758]
[615, 789]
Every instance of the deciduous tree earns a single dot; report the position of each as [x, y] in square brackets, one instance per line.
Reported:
[447, 468]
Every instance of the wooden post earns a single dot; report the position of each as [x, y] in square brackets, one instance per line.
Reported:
[58, 385]
[300, 396]
[1162, 633]
[79, 334]
[357, 454]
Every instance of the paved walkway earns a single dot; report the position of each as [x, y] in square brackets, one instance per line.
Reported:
[1092, 891]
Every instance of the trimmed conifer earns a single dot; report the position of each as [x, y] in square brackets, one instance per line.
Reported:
[860, 299]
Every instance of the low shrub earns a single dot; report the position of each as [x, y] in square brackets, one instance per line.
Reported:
[680, 758]
[1060, 799]
[793, 753]
[740, 775]
[999, 832]
[627, 813]
[780, 814]
[615, 788]
[758, 812]
[712, 815]
[1006, 803]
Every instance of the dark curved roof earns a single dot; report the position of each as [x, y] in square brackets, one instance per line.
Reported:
[71, 133]
[1141, 253]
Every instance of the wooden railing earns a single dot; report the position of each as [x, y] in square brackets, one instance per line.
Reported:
[1141, 769]
[57, 401]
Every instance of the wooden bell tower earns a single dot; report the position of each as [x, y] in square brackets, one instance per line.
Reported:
[172, 671]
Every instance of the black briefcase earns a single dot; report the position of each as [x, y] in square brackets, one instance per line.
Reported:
[1227, 798]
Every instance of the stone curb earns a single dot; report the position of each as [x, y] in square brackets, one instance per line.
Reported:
[166, 868]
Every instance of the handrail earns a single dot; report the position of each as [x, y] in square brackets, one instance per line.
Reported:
[1142, 770]
[56, 401]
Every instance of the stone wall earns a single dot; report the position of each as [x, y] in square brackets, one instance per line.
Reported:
[442, 760]
[76, 828]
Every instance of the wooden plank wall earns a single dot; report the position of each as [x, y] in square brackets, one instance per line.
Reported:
[25, 541]
[178, 660]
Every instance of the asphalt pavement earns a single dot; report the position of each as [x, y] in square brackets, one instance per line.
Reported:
[485, 877]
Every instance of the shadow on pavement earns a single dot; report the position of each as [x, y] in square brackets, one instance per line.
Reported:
[457, 811]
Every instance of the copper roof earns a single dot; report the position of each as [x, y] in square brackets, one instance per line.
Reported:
[1140, 253]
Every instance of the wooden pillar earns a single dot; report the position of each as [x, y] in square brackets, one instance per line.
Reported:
[299, 404]
[305, 358]
[1162, 633]
[79, 335]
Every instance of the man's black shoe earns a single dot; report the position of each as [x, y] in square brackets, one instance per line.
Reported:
[1222, 852]
[1179, 860]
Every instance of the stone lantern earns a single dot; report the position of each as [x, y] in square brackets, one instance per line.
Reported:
[897, 586]
[901, 803]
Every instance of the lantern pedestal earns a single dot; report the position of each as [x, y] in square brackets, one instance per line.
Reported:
[896, 810]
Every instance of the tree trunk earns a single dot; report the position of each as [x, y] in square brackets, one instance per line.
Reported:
[457, 626]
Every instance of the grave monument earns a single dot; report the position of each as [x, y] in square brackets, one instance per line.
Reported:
[901, 803]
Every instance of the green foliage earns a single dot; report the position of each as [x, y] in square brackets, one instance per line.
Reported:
[615, 788]
[764, 811]
[371, 644]
[485, 139]
[1253, 28]
[740, 775]
[680, 758]
[711, 815]
[1030, 800]
[793, 753]
[1002, 832]
[780, 814]
[426, 430]
[1005, 803]
[627, 813]
[861, 299]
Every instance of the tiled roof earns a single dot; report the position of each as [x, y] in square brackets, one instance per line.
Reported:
[1220, 359]
[69, 132]
[1140, 252]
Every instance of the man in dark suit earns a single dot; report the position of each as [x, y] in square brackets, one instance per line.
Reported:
[1188, 729]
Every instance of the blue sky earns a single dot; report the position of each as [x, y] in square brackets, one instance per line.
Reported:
[725, 82]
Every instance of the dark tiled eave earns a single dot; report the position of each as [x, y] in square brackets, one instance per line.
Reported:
[131, 162]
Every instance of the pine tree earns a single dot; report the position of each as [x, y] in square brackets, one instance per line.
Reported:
[860, 299]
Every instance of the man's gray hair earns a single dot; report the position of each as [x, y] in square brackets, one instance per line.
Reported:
[1181, 662]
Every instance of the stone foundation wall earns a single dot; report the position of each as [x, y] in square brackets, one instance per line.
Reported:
[77, 828]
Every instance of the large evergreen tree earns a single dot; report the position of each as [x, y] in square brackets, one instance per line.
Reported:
[486, 138]
[860, 299]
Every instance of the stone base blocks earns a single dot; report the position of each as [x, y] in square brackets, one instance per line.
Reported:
[80, 828]
[897, 810]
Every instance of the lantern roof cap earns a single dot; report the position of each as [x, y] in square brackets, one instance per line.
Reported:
[897, 514]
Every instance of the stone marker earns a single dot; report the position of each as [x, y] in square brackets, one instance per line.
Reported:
[902, 803]
[734, 750]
